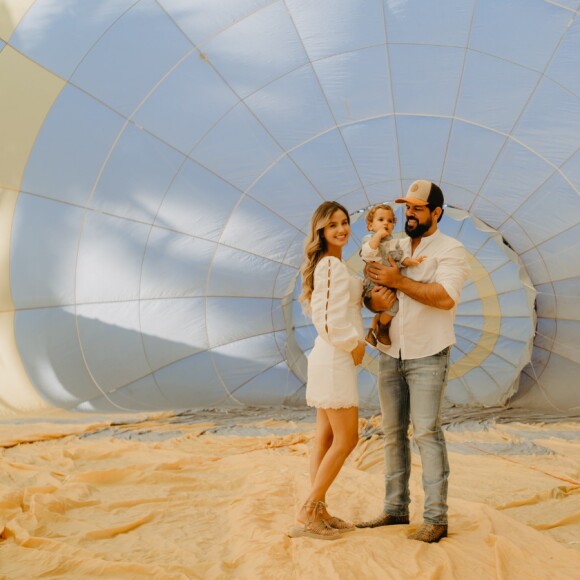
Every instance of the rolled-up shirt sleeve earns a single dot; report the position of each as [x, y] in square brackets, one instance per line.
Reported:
[329, 304]
[366, 252]
[452, 271]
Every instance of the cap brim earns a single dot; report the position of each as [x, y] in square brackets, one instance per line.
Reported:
[411, 200]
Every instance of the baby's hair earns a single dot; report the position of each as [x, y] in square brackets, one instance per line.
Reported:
[375, 208]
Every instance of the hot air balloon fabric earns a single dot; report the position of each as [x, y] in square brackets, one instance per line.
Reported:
[159, 162]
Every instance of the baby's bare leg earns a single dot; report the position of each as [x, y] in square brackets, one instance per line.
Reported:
[384, 318]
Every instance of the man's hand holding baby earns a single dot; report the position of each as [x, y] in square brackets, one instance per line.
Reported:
[384, 275]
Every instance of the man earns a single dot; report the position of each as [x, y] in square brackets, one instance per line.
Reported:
[413, 370]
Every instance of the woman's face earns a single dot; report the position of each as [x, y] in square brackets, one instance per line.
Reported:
[337, 231]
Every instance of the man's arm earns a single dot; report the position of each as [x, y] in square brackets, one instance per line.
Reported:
[428, 293]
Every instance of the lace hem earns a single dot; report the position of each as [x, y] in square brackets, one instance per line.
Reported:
[331, 404]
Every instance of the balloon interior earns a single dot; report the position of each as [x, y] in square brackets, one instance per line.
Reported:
[160, 162]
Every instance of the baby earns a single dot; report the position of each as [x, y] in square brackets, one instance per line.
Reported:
[377, 247]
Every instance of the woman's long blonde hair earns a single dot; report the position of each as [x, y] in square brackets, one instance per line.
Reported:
[315, 246]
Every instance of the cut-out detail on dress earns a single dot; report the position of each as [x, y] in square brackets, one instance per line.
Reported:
[327, 300]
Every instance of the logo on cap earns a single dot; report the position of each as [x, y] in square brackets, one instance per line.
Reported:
[423, 192]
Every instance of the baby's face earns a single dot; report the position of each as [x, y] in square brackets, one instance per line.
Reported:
[383, 219]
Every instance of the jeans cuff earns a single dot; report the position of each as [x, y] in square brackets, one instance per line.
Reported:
[398, 514]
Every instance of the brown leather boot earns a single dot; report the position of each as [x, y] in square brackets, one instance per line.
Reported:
[383, 334]
[430, 533]
[371, 338]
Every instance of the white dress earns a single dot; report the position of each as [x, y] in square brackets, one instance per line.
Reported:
[336, 314]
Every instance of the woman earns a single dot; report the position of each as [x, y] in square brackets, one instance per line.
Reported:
[333, 297]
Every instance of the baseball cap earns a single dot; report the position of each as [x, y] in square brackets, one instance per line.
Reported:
[423, 192]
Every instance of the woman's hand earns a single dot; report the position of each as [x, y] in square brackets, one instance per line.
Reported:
[358, 353]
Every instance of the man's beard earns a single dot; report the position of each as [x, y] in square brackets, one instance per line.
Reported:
[419, 229]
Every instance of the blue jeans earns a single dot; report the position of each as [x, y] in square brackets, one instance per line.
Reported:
[413, 389]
